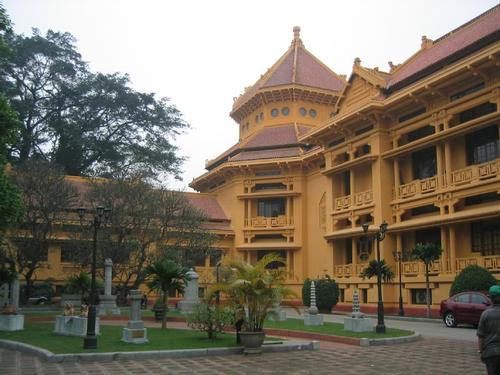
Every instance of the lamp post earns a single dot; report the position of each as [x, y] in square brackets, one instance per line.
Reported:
[398, 257]
[379, 237]
[101, 214]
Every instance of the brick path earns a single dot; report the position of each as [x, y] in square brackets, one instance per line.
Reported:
[427, 356]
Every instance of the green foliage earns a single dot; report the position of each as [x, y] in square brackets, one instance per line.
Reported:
[255, 287]
[11, 204]
[80, 284]
[164, 276]
[88, 123]
[426, 252]
[211, 318]
[473, 278]
[6, 276]
[374, 267]
[327, 293]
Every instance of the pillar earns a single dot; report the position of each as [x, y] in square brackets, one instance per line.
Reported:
[108, 276]
[447, 162]
[396, 176]
[453, 253]
[190, 293]
[446, 250]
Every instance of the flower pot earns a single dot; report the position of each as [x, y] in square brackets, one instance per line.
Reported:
[159, 314]
[252, 342]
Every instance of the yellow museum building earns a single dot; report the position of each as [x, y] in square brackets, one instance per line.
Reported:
[319, 154]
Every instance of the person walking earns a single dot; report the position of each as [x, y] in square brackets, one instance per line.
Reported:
[488, 333]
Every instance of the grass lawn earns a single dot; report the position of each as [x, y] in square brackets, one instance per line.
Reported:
[40, 334]
[334, 329]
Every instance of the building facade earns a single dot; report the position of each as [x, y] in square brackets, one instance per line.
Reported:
[417, 146]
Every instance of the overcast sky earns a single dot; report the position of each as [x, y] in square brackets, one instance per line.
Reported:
[203, 53]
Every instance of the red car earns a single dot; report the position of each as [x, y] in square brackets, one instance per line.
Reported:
[465, 307]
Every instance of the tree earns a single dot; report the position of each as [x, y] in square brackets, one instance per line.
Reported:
[211, 318]
[147, 223]
[473, 278]
[327, 293]
[47, 197]
[257, 287]
[80, 284]
[373, 269]
[89, 123]
[427, 253]
[164, 277]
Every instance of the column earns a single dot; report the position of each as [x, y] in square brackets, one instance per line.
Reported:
[396, 177]
[446, 250]
[108, 276]
[351, 182]
[354, 249]
[453, 254]
[135, 332]
[439, 162]
[447, 162]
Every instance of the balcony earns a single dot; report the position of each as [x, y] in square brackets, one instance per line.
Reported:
[476, 173]
[417, 268]
[346, 270]
[491, 263]
[356, 200]
[269, 222]
[419, 187]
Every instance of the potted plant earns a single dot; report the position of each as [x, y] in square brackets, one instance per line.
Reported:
[159, 310]
[165, 276]
[255, 288]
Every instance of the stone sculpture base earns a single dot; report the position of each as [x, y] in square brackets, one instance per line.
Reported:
[135, 333]
[185, 306]
[279, 315]
[107, 305]
[73, 326]
[74, 299]
[12, 322]
[313, 320]
[358, 324]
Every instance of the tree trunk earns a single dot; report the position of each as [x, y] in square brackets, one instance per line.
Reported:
[164, 318]
[428, 291]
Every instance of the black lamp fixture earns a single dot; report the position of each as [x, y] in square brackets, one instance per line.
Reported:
[101, 215]
[398, 257]
[379, 236]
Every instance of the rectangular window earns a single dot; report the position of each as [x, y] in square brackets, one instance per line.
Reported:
[36, 251]
[485, 237]
[215, 257]
[412, 114]
[341, 295]
[363, 130]
[424, 163]
[271, 207]
[467, 91]
[336, 142]
[348, 251]
[273, 265]
[483, 145]
[270, 186]
[477, 111]
[431, 235]
[346, 176]
[364, 295]
[418, 296]
[421, 133]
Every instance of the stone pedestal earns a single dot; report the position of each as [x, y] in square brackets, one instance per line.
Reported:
[74, 299]
[191, 298]
[12, 322]
[361, 324]
[277, 314]
[107, 305]
[73, 326]
[313, 319]
[107, 302]
[135, 333]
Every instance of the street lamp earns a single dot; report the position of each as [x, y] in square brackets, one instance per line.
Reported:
[398, 257]
[379, 237]
[101, 215]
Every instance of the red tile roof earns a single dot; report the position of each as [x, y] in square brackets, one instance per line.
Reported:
[268, 154]
[208, 204]
[483, 26]
[275, 136]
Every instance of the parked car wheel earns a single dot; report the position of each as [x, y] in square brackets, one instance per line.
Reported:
[449, 320]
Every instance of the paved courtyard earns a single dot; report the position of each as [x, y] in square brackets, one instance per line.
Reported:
[426, 356]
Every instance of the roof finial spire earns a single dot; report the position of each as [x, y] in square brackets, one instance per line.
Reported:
[296, 36]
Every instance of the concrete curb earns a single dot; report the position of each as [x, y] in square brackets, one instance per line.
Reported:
[389, 341]
[182, 353]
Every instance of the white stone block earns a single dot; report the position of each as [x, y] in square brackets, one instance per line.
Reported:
[135, 336]
[73, 326]
[358, 324]
[12, 322]
[313, 320]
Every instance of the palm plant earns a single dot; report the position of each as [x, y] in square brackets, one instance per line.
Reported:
[427, 253]
[373, 269]
[256, 287]
[79, 284]
[164, 277]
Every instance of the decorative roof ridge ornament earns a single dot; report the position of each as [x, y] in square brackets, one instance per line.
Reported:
[296, 37]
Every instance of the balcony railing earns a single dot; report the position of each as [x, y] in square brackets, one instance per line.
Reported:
[346, 270]
[491, 263]
[360, 199]
[269, 222]
[476, 172]
[417, 187]
[418, 268]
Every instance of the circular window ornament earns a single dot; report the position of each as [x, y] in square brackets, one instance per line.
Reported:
[274, 112]
[303, 111]
[312, 113]
[285, 111]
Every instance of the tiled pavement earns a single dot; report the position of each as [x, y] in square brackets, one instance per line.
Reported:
[426, 356]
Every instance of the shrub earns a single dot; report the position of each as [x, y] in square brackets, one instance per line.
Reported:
[210, 318]
[472, 278]
[327, 293]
